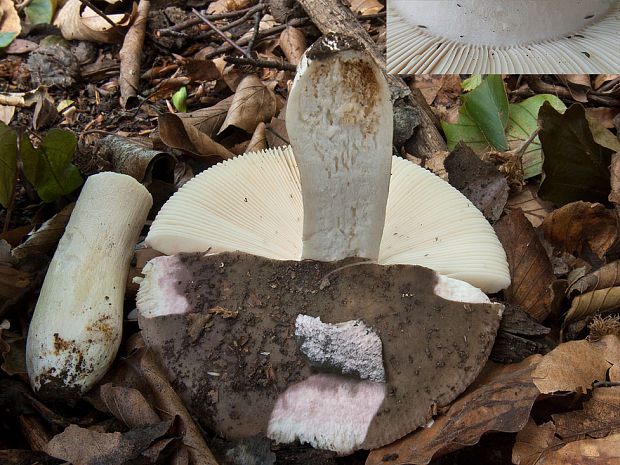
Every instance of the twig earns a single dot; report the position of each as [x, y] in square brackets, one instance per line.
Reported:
[194, 21]
[265, 33]
[261, 63]
[521, 150]
[9, 209]
[257, 17]
[89, 4]
[214, 27]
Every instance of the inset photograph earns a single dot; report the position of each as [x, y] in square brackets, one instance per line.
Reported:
[503, 36]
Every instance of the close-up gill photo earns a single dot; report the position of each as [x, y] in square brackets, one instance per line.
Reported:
[322, 232]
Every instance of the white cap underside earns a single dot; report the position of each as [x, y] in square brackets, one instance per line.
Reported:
[428, 222]
[591, 50]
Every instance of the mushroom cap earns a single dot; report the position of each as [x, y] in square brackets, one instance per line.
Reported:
[503, 36]
[237, 364]
[252, 203]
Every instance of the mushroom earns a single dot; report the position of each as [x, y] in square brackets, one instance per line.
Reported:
[353, 336]
[260, 345]
[339, 120]
[503, 36]
[76, 328]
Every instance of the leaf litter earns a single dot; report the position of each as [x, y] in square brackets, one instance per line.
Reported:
[234, 106]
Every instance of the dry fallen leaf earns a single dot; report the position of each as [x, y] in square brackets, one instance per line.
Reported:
[293, 44]
[534, 208]
[259, 139]
[9, 18]
[176, 134]
[573, 366]
[366, 7]
[578, 226]
[128, 405]
[82, 23]
[530, 269]
[606, 276]
[251, 104]
[592, 303]
[208, 120]
[500, 400]
[614, 195]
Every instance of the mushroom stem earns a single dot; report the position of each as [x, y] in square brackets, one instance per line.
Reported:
[76, 328]
[339, 120]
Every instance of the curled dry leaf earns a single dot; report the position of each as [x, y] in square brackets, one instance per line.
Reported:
[575, 365]
[81, 23]
[208, 120]
[614, 195]
[581, 225]
[534, 208]
[593, 303]
[9, 18]
[531, 272]
[186, 137]
[293, 44]
[500, 400]
[606, 276]
[131, 54]
[251, 104]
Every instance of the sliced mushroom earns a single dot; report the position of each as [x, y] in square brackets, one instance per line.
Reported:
[503, 36]
[253, 203]
[225, 326]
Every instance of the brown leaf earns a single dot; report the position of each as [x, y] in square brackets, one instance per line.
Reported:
[605, 115]
[251, 104]
[530, 269]
[435, 163]
[500, 400]
[534, 208]
[606, 276]
[86, 447]
[44, 240]
[579, 225]
[201, 70]
[208, 120]
[602, 79]
[128, 405]
[592, 303]
[532, 442]
[186, 137]
[12, 281]
[259, 139]
[293, 44]
[573, 366]
[479, 181]
[578, 85]
[276, 133]
[366, 7]
[614, 195]
[80, 23]
[9, 18]
[13, 350]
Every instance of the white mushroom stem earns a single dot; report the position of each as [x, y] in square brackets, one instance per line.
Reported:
[76, 328]
[339, 120]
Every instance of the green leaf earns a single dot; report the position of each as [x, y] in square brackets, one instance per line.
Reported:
[575, 163]
[49, 168]
[179, 100]
[522, 122]
[6, 38]
[472, 82]
[483, 117]
[40, 11]
[8, 163]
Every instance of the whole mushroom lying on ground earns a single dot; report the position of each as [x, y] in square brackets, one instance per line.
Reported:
[76, 328]
[503, 36]
[355, 345]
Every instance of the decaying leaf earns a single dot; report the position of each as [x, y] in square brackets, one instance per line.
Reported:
[12, 281]
[88, 447]
[259, 139]
[579, 226]
[10, 24]
[577, 156]
[478, 180]
[8, 164]
[614, 195]
[293, 44]
[13, 351]
[251, 104]
[575, 365]
[186, 137]
[500, 400]
[530, 269]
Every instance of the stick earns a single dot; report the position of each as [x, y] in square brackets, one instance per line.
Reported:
[130, 54]
[224, 36]
[261, 63]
